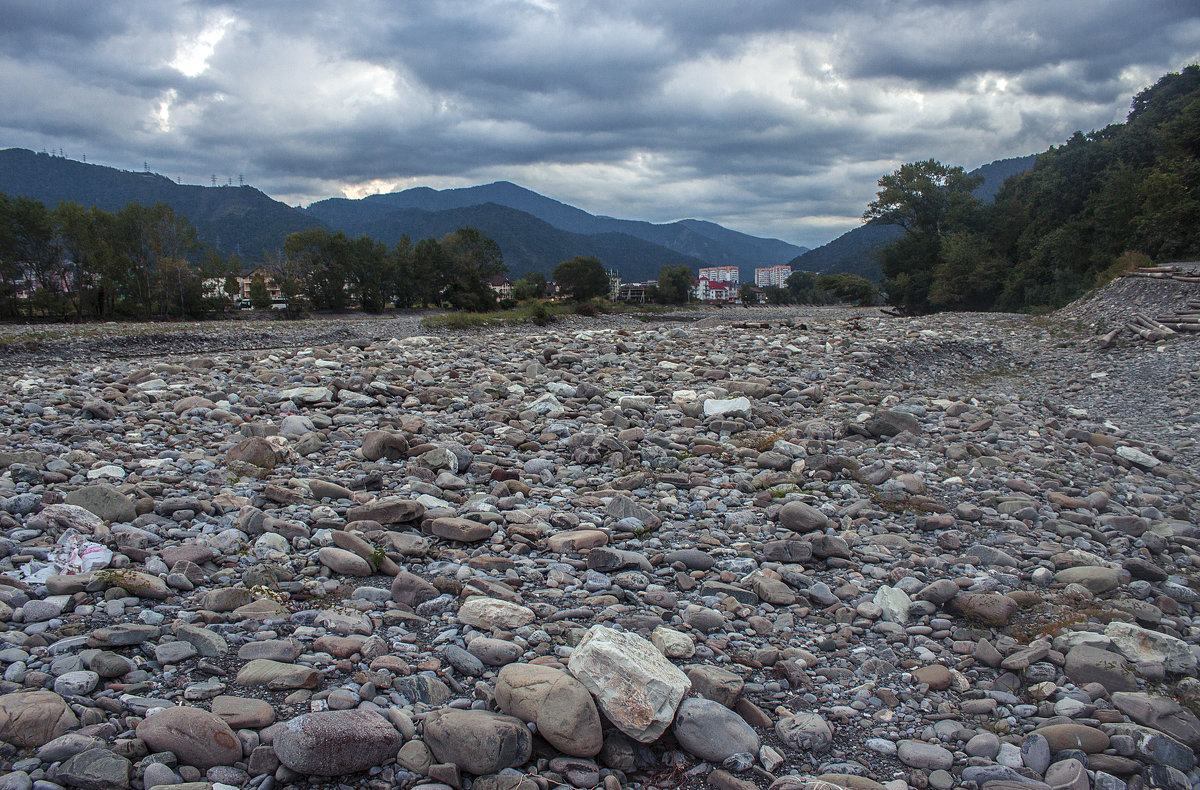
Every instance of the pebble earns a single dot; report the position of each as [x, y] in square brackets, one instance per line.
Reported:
[809, 543]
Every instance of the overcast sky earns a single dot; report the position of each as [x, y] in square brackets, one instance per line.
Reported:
[773, 117]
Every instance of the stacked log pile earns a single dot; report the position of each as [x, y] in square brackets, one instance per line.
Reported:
[1168, 271]
[1160, 327]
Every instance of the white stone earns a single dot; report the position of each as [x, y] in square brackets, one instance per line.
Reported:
[547, 406]
[494, 614]
[893, 603]
[1138, 458]
[672, 643]
[638, 689]
[307, 394]
[1141, 644]
[733, 407]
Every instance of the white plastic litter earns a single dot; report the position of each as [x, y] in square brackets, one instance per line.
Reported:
[73, 554]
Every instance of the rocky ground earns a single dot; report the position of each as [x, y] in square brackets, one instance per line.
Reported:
[741, 549]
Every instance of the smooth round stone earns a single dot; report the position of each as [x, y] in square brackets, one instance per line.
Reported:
[711, 731]
[77, 683]
[805, 732]
[1074, 736]
[985, 744]
[196, 736]
[336, 742]
[478, 741]
[926, 756]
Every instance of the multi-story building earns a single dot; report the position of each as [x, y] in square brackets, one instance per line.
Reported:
[774, 275]
[715, 290]
[721, 274]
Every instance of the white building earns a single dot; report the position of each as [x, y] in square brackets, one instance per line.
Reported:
[775, 275]
[715, 290]
[721, 274]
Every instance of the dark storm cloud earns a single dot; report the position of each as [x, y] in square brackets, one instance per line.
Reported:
[774, 117]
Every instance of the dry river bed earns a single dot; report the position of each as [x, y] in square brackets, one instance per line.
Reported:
[765, 548]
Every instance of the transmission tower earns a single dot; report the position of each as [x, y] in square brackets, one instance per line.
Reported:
[214, 179]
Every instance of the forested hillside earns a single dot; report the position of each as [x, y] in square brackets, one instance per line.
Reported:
[232, 219]
[858, 251]
[528, 243]
[1088, 209]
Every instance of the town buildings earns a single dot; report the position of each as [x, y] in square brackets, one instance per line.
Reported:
[725, 274]
[773, 275]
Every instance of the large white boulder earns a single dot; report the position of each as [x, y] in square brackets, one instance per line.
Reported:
[638, 689]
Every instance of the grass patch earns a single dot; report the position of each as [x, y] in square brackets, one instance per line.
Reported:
[541, 313]
[532, 312]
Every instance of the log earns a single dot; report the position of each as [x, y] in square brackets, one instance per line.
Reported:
[1150, 322]
[1106, 340]
[1141, 331]
[1185, 327]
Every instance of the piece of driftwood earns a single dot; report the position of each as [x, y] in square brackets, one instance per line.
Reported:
[1107, 339]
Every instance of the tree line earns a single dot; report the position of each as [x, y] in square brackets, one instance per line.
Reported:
[72, 261]
[328, 271]
[148, 262]
[1087, 211]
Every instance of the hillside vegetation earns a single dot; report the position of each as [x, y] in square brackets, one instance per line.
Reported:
[858, 251]
[1086, 211]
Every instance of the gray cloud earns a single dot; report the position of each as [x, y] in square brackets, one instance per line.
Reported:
[772, 117]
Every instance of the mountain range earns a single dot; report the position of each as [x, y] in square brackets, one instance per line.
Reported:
[534, 232]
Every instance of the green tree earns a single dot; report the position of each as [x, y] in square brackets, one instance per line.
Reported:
[39, 255]
[260, 297]
[849, 288]
[929, 200]
[370, 273]
[926, 197]
[531, 285]
[747, 293]
[320, 261]
[582, 277]
[773, 294]
[801, 287]
[473, 259]
[675, 283]
[969, 274]
[10, 265]
[232, 288]
[428, 274]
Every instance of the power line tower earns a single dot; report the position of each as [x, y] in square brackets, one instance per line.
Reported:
[241, 180]
[214, 179]
[146, 166]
